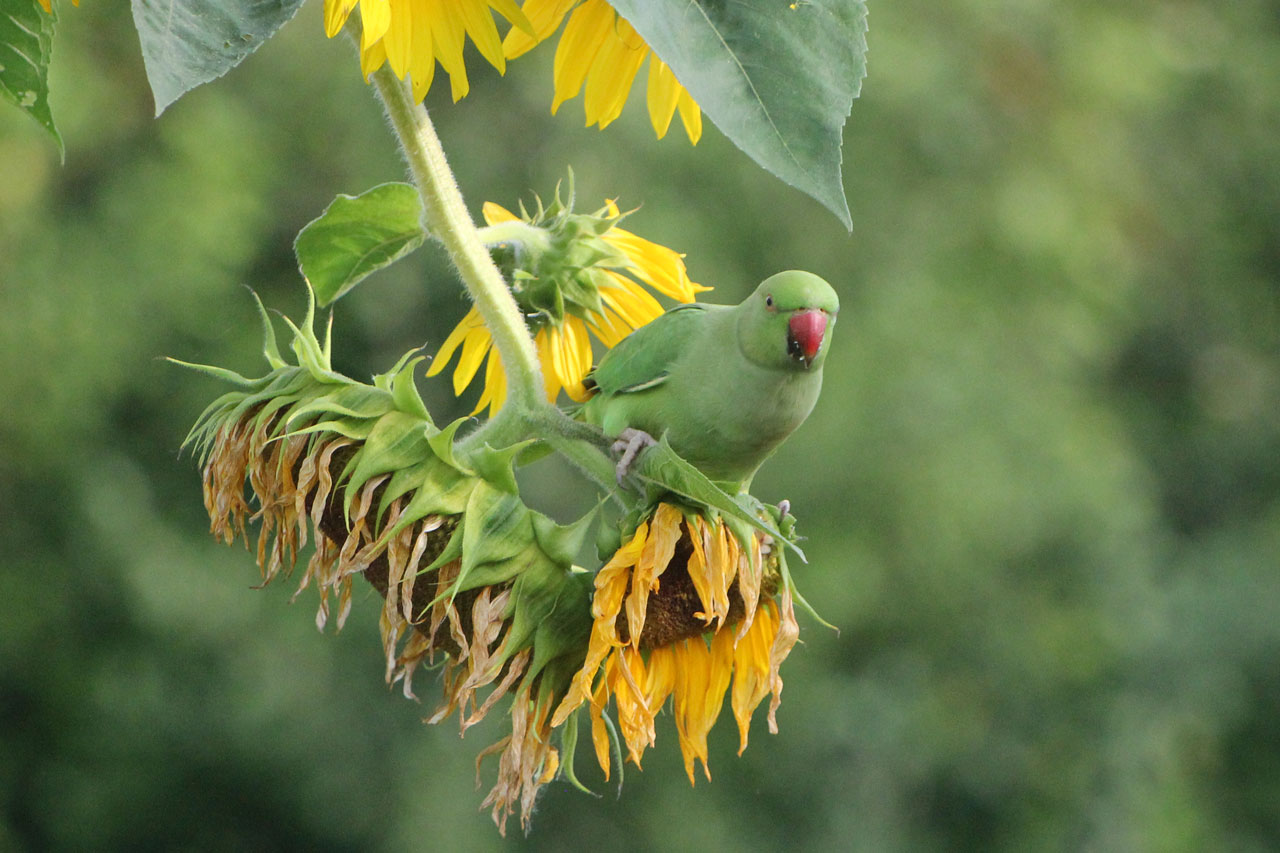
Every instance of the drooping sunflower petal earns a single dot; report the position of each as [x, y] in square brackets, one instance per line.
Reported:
[661, 94]
[609, 327]
[661, 268]
[412, 35]
[545, 17]
[469, 321]
[375, 19]
[611, 74]
[751, 668]
[632, 303]
[576, 357]
[588, 28]
[477, 21]
[398, 40]
[495, 386]
[336, 13]
[422, 58]
[690, 116]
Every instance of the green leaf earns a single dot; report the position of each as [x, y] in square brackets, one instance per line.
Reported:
[661, 466]
[778, 77]
[358, 235]
[26, 39]
[495, 529]
[189, 42]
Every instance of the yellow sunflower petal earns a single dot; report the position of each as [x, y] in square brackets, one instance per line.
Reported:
[690, 116]
[576, 355]
[474, 348]
[495, 385]
[478, 23]
[635, 305]
[662, 93]
[751, 669]
[514, 15]
[398, 40]
[664, 533]
[783, 641]
[659, 267]
[375, 18]
[590, 25]
[448, 36]
[609, 328]
[422, 57]
[470, 321]
[544, 17]
[371, 58]
[336, 13]
[600, 735]
[495, 213]
[612, 73]
[550, 381]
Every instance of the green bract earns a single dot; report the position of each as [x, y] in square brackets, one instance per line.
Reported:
[466, 569]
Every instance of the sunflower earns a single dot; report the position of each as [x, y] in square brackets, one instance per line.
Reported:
[641, 653]
[413, 34]
[584, 281]
[601, 50]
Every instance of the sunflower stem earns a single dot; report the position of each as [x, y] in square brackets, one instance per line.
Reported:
[445, 217]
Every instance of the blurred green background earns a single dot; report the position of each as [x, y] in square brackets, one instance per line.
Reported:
[1041, 491]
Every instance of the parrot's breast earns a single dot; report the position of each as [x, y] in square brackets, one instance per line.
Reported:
[729, 431]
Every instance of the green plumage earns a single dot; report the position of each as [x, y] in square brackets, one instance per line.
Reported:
[725, 384]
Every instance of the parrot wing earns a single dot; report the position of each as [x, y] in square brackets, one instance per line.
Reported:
[643, 359]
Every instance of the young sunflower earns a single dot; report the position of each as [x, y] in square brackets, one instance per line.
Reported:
[413, 34]
[575, 276]
[601, 50]
[680, 611]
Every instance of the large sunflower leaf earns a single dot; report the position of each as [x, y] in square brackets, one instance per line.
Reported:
[778, 77]
[358, 235]
[26, 38]
[189, 42]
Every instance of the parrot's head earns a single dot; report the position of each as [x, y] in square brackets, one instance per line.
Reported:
[787, 322]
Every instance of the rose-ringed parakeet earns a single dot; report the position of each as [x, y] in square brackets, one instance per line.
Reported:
[725, 383]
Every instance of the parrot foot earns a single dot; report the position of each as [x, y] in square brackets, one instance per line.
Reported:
[628, 446]
[784, 508]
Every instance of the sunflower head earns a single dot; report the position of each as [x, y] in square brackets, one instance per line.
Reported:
[575, 276]
[687, 609]
[363, 470]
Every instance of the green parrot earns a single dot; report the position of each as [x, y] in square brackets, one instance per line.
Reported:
[726, 384]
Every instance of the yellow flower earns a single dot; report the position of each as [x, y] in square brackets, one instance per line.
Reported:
[413, 34]
[742, 634]
[564, 343]
[602, 51]
[48, 5]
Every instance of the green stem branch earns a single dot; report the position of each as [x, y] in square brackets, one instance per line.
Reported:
[527, 411]
[445, 217]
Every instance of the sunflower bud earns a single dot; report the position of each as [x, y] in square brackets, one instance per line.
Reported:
[574, 276]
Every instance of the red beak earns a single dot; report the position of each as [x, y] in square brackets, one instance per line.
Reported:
[807, 329]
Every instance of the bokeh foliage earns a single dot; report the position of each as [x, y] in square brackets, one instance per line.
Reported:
[1042, 488]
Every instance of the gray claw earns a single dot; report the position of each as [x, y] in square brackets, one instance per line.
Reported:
[784, 507]
[628, 446]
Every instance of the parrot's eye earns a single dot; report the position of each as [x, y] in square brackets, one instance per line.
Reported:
[768, 301]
